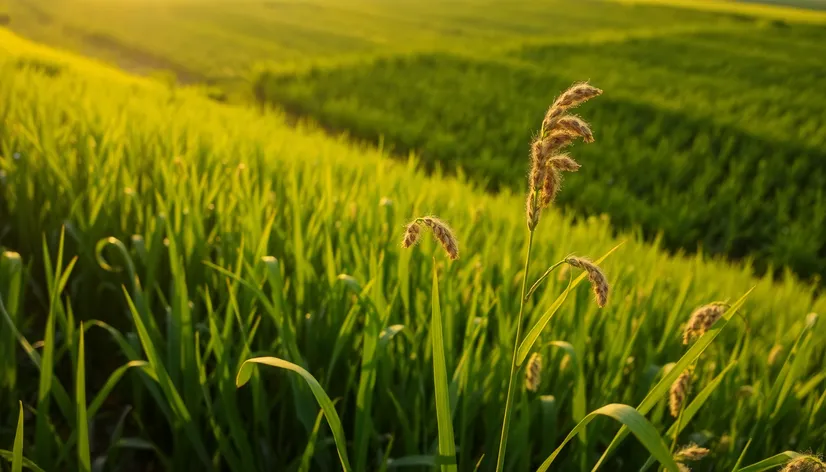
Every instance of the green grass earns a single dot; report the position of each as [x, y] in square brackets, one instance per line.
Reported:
[188, 237]
[713, 137]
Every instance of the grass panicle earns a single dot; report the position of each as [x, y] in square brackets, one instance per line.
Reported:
[441, 231]
[599, 283]
[533, 373]
[805, 464]
[701, 320]
[691, 452]
[679, 392]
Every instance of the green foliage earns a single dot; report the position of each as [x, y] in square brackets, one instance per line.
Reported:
[189, 237]
[731, 166]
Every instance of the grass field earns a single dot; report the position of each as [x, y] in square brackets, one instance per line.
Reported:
[155, 240]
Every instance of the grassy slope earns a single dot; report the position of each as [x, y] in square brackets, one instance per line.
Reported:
[111, 155]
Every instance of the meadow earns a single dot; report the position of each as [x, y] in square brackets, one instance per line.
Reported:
[153, 240]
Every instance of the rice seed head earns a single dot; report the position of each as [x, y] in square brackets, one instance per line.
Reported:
[805, 464]
[701, 320]
[576, 126]
[678, 392]
[576, 95]
[533, 373]
[564, 163]
[599, 283]
[538, 164]
[682, 467]
[691, 452]
[532, 211]
[557, 140]
[411, 235]
[550, 186]
[443, 234]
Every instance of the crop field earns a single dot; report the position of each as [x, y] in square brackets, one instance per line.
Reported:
[188, 285]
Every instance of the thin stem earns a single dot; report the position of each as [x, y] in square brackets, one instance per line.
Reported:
[503, 441]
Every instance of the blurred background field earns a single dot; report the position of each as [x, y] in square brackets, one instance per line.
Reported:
[311, 132]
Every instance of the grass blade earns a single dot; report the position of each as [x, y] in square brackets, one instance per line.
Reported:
[631, 419]
[661, 389]
[447, 447]
[324, 401]
[533, 334]
[772, 462]
[17, 454]
[84, 461]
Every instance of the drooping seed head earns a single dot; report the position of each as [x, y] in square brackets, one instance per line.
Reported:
[692, 452]
[678, 392]
[533, 373]
[576, 126]
[701, 320]
[573, 97]
[550, 186]
[443, 234]
[556, 141]
[538, 164]
[805, 464]
[411, 235]
[599, 283]
[564, 162]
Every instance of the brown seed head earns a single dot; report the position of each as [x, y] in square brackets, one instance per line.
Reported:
[573, 97]
[532, 211]
[533, 373]
[411, 235]
[692, 452]
[557, 140]
[678, 392]
[564, 162]
[550, 186]
[805, 464]
[538, 164]
[701, 320]
[576, 126]
[444, 235]
[599, 283]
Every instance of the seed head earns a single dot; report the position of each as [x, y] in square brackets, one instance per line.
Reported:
[692, 452]
[538, 164]
[532, 211]
[682, 467]
[595, 275]
[805, 464]
[411, 235]
[550, 186]
[564, 162]
[533, 373]
[678, 392]
[443, 233]
[576, 126]
[571, 98]
[701, 320]
[557, 140]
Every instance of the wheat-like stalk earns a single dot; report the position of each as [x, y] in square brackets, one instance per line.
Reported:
[441, 231]
[564, 162]
[805, 464]
[576, 126]
[533, 374]
[702, 319]
[678, 392]
[599, 283]
[571, 98]
[691, 452]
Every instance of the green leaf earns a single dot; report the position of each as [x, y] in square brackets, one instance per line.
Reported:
[661, 389]
[17, 457]
[631, 419]
[27, 463]
[245, 372]
[310, 449]
[533, 335]
[447, 446]
[772, 462]
[84, 461]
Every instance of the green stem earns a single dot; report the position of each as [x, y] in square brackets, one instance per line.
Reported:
[503, 441]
